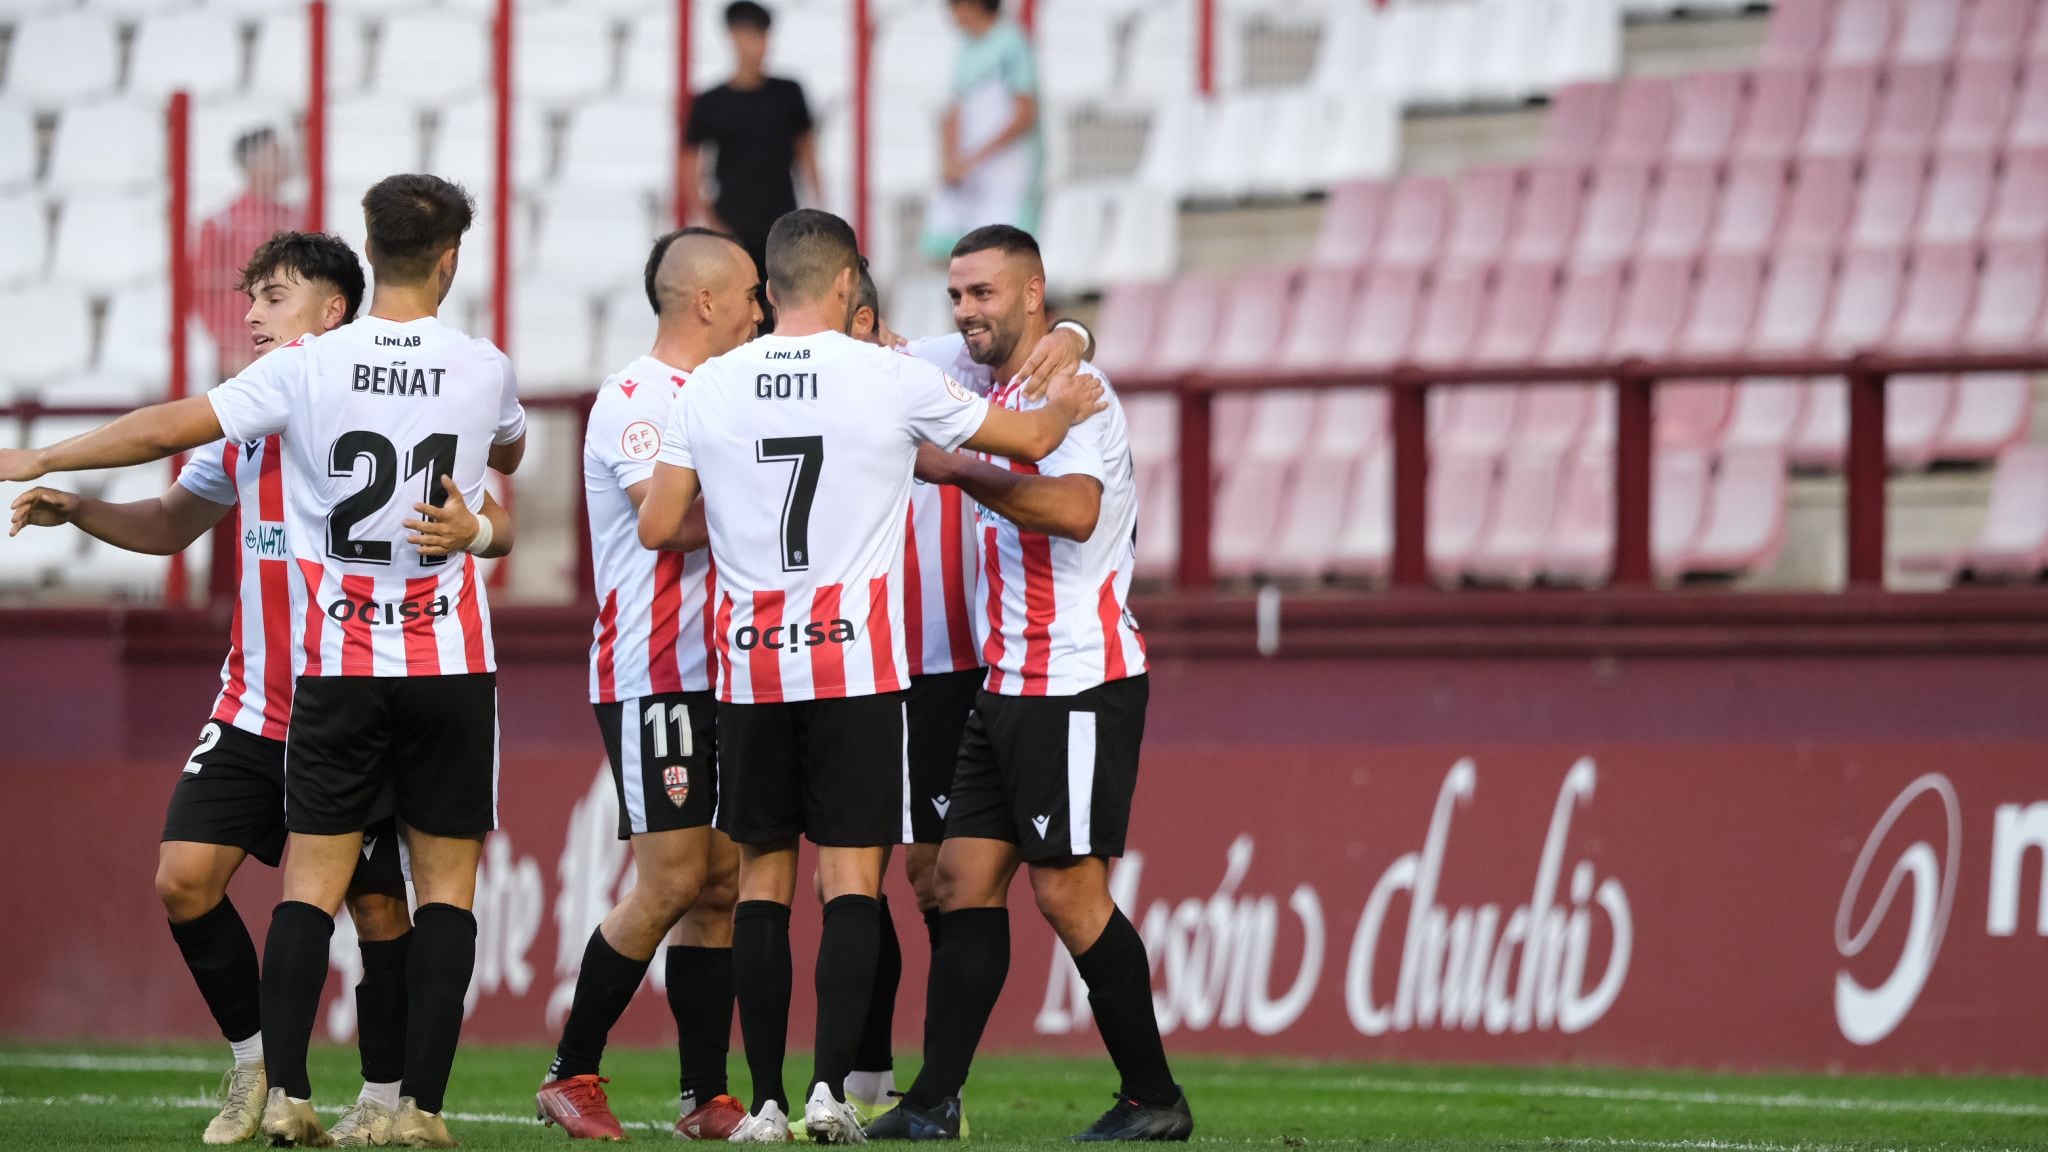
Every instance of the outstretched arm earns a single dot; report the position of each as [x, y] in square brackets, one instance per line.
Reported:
[1063, 506]
[141, 436]
[665, 508]
[162, 526]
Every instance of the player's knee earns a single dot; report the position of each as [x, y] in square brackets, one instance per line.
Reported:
[667, 896]
[379, 915]
[1068, 901]
[718, 894]
[186, 895]
[924, 881]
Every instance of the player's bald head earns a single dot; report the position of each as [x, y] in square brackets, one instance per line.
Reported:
[692, 260]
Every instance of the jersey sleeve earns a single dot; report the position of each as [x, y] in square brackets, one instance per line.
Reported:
[625, 438]
[940, 409]
[675, 437]
[1081, 453]
[257, 402]
[511, 414]
[205, 475]
[800, 109]
[1017, 69]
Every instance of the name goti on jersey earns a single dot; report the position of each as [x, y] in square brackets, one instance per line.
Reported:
[653, 631]
[256, 679]
[372, 415]
[1056, 619]
[804, 448]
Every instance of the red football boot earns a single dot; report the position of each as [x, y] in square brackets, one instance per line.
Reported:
[714, 1120]
[578, 1104]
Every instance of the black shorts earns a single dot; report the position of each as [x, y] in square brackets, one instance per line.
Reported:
[937, 711]
[425, 746]
[232, 793]
[832, 770]
[1053, 775]
[663, 751]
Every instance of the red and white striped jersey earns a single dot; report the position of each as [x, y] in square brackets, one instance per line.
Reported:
[804, 447]
[941, 546]
[372, 415]
[256, 681]
[1055, 615]
[653, 631]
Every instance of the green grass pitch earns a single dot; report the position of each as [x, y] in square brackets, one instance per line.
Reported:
[93, 1096]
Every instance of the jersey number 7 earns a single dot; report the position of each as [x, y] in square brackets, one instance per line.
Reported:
[433, 455]
[806, 455]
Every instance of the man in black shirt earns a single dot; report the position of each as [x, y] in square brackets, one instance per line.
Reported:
[760, 129]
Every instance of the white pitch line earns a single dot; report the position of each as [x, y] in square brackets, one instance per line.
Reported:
[87, 1062]
[1663, 1096]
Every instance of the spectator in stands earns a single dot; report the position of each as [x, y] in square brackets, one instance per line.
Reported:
[989, 139]
[760, 131]
[227, 238]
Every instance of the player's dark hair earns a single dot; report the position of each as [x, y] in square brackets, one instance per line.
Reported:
[412, 219]
[660, 253]
[866, 294]
[747, 14]
[1004, 238]
[312, 257]
[989, 6]
[248, 142]
[807, 250]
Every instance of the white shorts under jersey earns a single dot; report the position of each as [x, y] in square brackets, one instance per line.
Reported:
[1055, 618]
[941, 546]
[256, 680]
[372, 415]
[804, 447]
[653, 631]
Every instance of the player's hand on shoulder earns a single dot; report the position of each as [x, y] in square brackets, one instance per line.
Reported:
[20, 465]
[43, 508]
[1076, 397]
[1057, 353]
[445, 530]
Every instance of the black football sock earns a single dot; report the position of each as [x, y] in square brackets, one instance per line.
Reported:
[294, 968]
[380, 1009]
[761, 977]
[437, 973]
[967, 977]
[604, 986]
[934, 921]
[700, 997]
[848, 946]
[877, 1035]
[1119, 978]
[222, 957]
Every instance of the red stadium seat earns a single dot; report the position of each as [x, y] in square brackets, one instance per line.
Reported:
[1614, 213]
[1477, 419]
[1958, 197]
[1230, 424]
[1365, 543]
[1823, 429]
[1658, 294]
[1745, 518]
[1587, 303]
[1693, 412]
[1382, 319]
[1861, 31]
[1158, 531]
[1888, 200]
[1992, 412]
[1247, 514]
[1255, 311]
[1517, 315]
[1682, 209]
[1128, 328]
[1485, 208]
[1776, 113]
[2028, 127]
[1752, 203]
[1766, 412]
[1450, 318]
[1349, 423]
[1187, 331]
[1311, 520]
[1979, 104]
[1929, 29]
[1531, 481]
[1314, 332]
[1679, 482]
[1844, 103]
[1996, 29]
[1709, 108]
[2019, 208]
[1282, 422]
[1911, 109]
[1416, 216]
[1351, 224]
[1821, 203]
[2011, 287]
[1865, 303]
[1916, 408]
[1150, 419]
[1725, 307]
[1461, 507]
[1797, 293]
[1557, 416]
[1640, 127]
[1577, 121]
[1549, 215]
[2013, 542]
[1937, 299]
[1581, 548]
[1798, 32]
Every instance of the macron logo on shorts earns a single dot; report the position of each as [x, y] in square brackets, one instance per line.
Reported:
[1040, 823]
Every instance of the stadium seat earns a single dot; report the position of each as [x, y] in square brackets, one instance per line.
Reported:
[1226, 164]
[628, 329]
[107, 145]
[369, 139]
[1445, 75]
[1581, 545]
[1504, 70]
[1709, 106]
[1484, 207]
[1071, 240]
[1127, 329]
[1362, 139]
[1659, 293]
[2019, 206]
[1861, 32]
[1511, 552]
[1775, 115]
[1150, 418]
[1450, 317]
[1991, 412]
[465, 148]
[1820, 205]
[1349, 423]
[1282, 421]
[590, 240]
[1679, 482]
[1887, 201]
[200, 52]
[1682, 209]
[1254, 314]
[1584, 41]
[2028, 126]
[1752, 202]
[1577, 123]
[47, 331]
[1158, 531]
[1958, 198]
[2011, 286]
[17, 145]
[1614, 213]
[1936, 301]
[2013, 540]
[1461, 502]
[554, 338]
[1640, 129]
[1549, 215]
[430, 55]
[1725, 306]
[1798, 32]
[278, 61]
[1996, 29]
[1797, 294]
[1417, 216]
[62, 58]
[108, 240]
[1588, 301]
[1144, 235]
[1916, 409]
[1744, 525]
[1928, 30]
[1382, 319]
[1248, 509]
[1351, 224]
[1517, 315]
[1980, 104]
[1765, 412]
[1084, 41]
[1399, 45]
[1844, 101]
[1479, 419]
[1823, 431]
[1365, 544]
[1311, 519]
[617, 143]
[1189, 324]
[1159, 61]
[33, 558]
[1314, 332]
[1866, 302]
[134, 363]
[1911, 109]
[25, 221]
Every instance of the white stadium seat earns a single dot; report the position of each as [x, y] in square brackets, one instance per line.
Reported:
[629, 325]
[134, 363]
[552, 338]
[1585, 41]
[278, 63]
[370, 138]
[431, 56]
[47, 332]
[200, 52]
[561, 54]
[56, 59]
[1505, 70]
[1238, 124]
[1144, 235]
[24, 220]
[108, 240]
[1078, 51]
[1288, 145]
[1075, 229]
[465, 146]
[1160, 61]
[1448, 75]
[1364, 137]
[1399, 48]
[108, 144]
[1173, 142]
[17, 144]
[621, 143]
[588, 239]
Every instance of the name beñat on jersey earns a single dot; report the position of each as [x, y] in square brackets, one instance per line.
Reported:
[396, 379]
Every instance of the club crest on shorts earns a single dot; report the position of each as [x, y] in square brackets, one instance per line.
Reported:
[676, 779]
